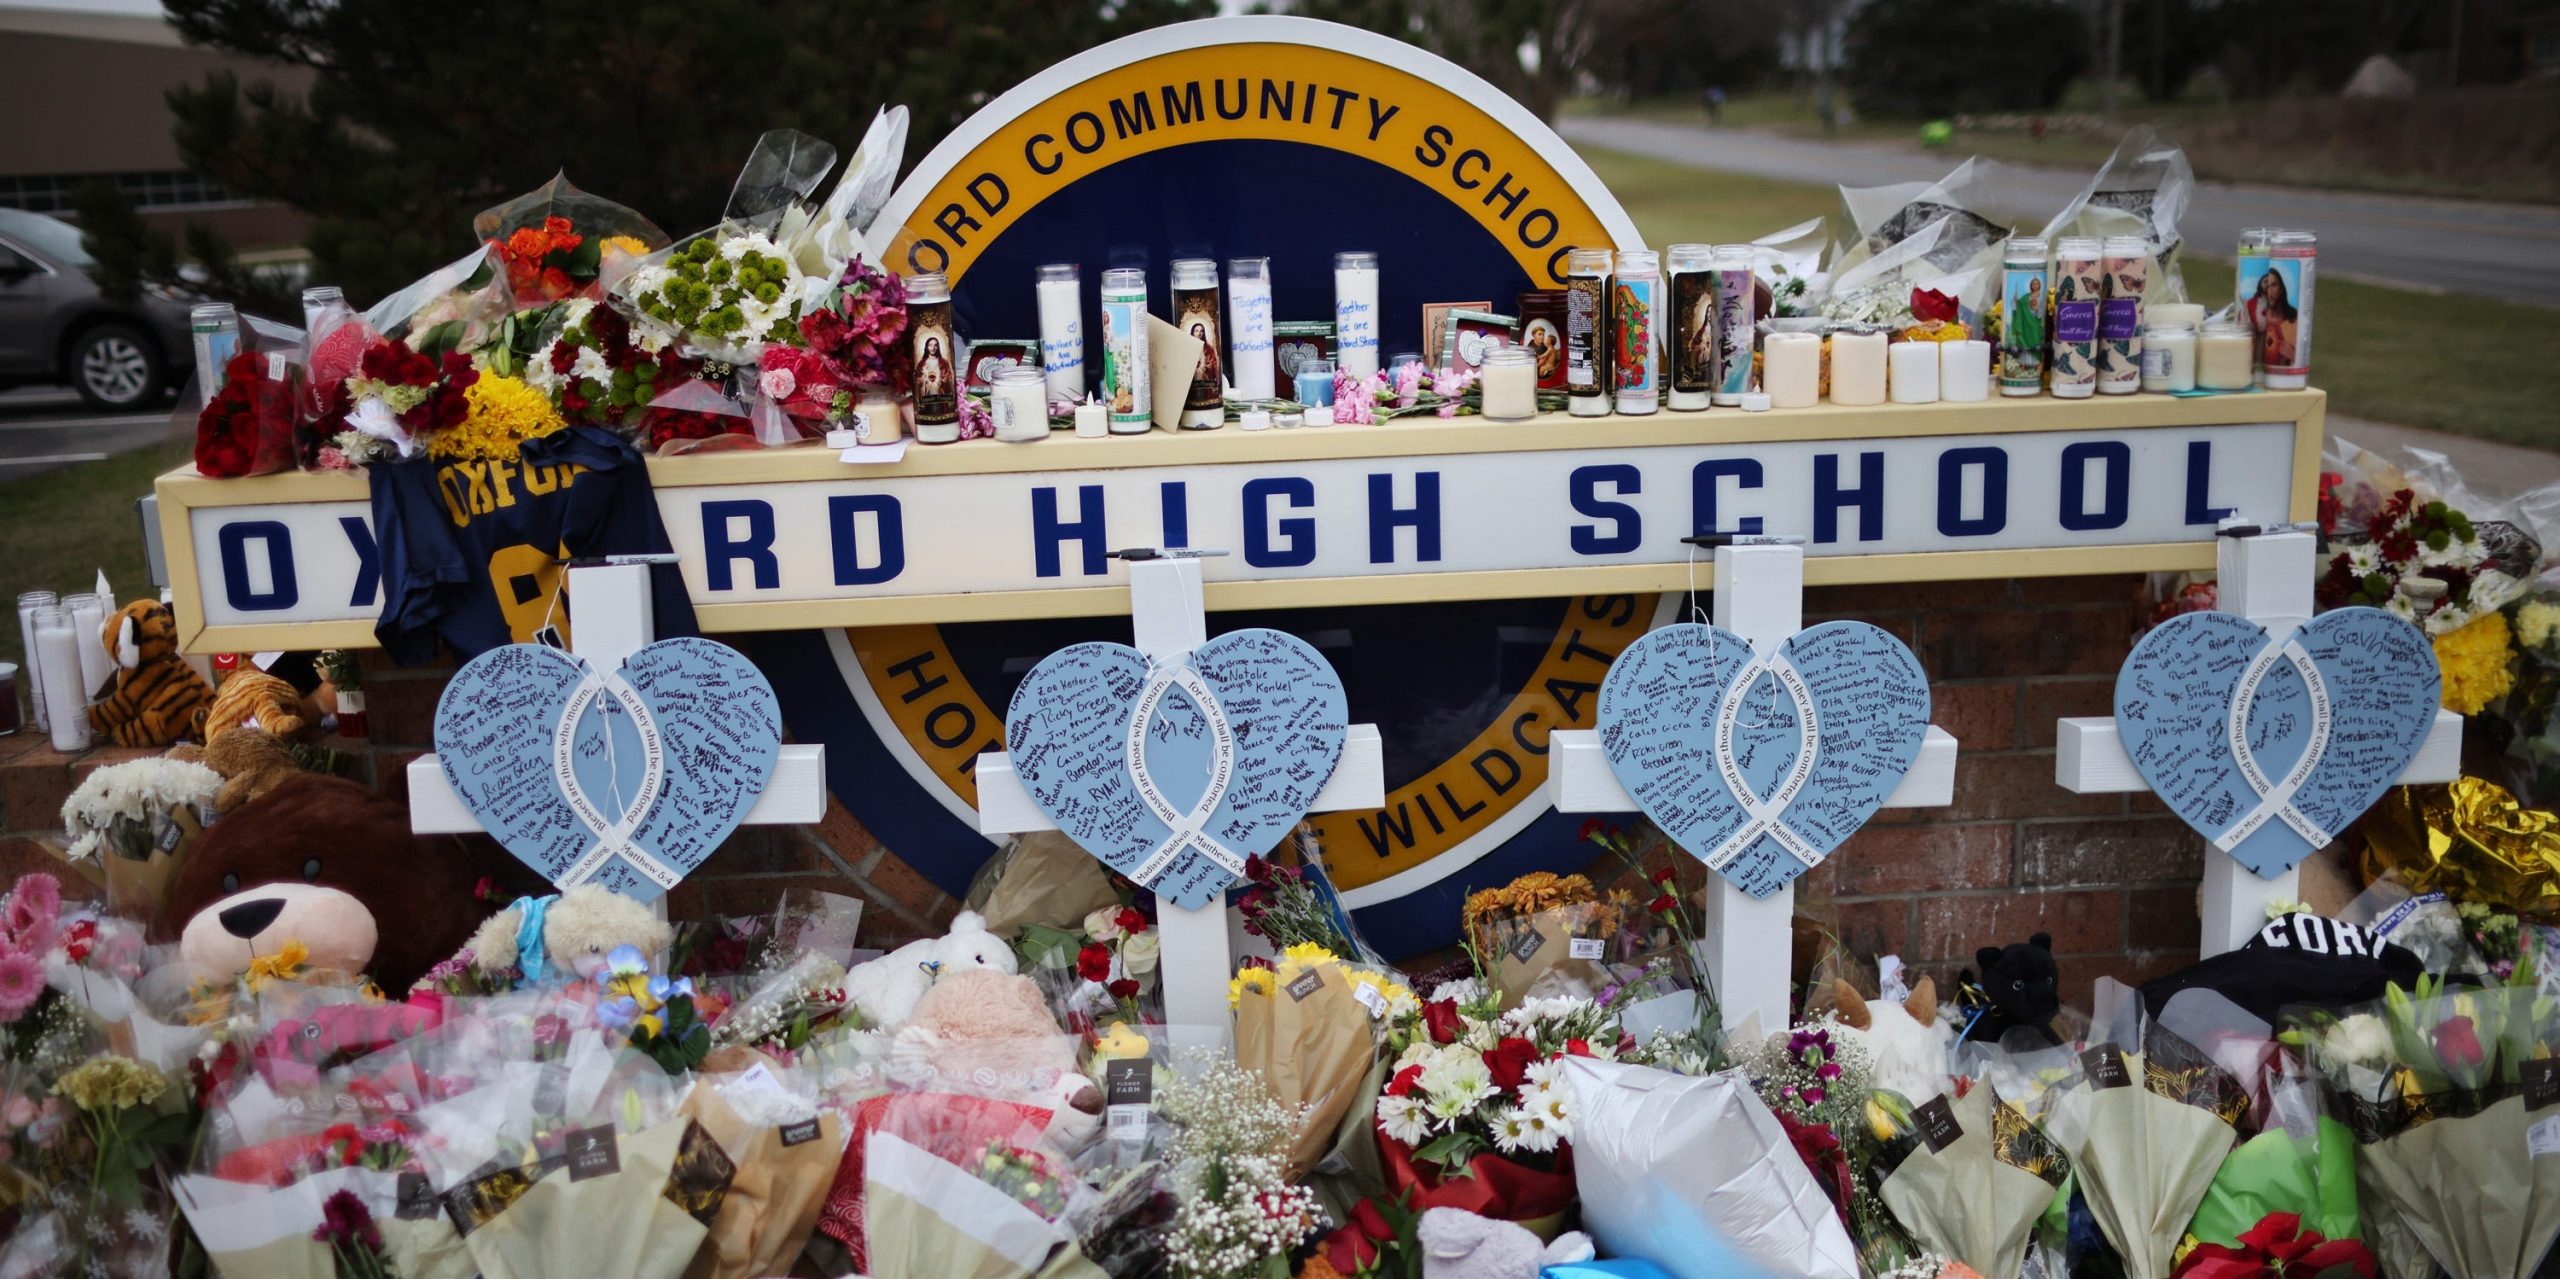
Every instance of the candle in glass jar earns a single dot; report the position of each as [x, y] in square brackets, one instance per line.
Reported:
[1019, 403]
[1964, 372]
[935, 343]
[1913, 372]
[2222, 356]
[1510, 383]
[1586, 331]
[877, 418]
[1060, 292]
[1249, 324]
[2281, 307]
[1689, 324]
[2168, 358]
[1791, 370]
[1314, 384]
[1857, 367]
[1737, 315]
[28, 603]
[1126, 375]
[58, 660]
[1195, 312]
[2127, 263]
[1635, 324]
[1355, 312]
[2079, 290]
[88, 618]
[2025, 315]
[9, 722]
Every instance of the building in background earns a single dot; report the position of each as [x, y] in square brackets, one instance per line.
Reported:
[88, 84]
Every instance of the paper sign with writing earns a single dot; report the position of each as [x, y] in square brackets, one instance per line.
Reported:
[625, 778]
[1761, 764]
[1174, 772]
[2272, 749]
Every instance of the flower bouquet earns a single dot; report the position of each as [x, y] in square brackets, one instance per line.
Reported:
[2294, 1159]
[2448, 1096]
[249, 427]
[136, 822]
[945, 1199]
[1543, 935]
[598, 371]
[1310, 1026]
[557, 242]
[1101, 972]
[1965, 1172]
[786, 1150]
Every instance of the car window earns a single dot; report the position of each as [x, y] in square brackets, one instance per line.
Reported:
[56, 242]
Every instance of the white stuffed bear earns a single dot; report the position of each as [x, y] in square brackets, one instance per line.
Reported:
[886, 989]
[1457, 1244]
[575, 931]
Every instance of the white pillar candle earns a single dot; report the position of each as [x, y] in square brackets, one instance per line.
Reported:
[1092, 420]
[33, 675]
[58, 658]
[1355, 312]
[1249, 327]
[88, 619]
[1914, 372]
[1510, 383]
[1791, 370]
[1019, 403]
[1857, 368]
[1964, 372]
[1061, 295]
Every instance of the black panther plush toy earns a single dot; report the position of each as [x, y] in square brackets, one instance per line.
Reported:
[2019, 987]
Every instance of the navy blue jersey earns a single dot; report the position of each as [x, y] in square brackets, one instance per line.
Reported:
[472, 551]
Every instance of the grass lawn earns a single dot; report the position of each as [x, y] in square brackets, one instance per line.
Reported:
[58, 529]
[2465, 365]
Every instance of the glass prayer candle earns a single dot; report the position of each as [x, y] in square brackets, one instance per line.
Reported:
[1510, 384]
[1060, 293]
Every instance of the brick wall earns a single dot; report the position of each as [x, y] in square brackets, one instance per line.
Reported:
[2112, 878]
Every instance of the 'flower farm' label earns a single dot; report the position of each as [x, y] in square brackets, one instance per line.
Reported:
[2105, 1064]
[1307, 983]
[1938, 1125]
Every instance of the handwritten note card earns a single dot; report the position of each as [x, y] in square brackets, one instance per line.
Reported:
[2272, 749]
[1173, 773]
[627, 778]
[1760, 766]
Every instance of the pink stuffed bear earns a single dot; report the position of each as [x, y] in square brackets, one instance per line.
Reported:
[989, 1034]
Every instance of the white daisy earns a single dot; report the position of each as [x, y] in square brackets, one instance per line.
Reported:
[1511, 1131]
[1404, 1119]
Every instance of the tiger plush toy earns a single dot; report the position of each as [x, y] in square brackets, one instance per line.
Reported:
[159, 698]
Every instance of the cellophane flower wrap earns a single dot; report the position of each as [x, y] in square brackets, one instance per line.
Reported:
[251, 427]
[599, 371]
[557, 242]
[2453, 1098]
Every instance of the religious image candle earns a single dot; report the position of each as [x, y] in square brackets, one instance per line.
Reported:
[2127, 262]
[2026, 315]
[936, 347]
[1355, 312]
[1690, 321]
[1737, 318]
[2079, 289]
[1635, 327]
[1586, 332]
[1195, 311]
[1249, 327]
[1060, 293]
[1124, 351]
[2279, 308]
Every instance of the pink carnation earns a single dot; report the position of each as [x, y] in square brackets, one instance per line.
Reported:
[777, 383]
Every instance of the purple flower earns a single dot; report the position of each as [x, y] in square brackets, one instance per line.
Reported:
[1813, 1095]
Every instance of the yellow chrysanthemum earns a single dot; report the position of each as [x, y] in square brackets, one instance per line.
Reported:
[1261, 981]
[2475, 662]
[111, 1083]
[2538, 623]
[284, 965]
[504, 413]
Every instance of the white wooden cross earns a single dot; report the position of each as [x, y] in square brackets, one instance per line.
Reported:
[2266, 577]
[614, 621]
[1759, 595]
[1167, 615]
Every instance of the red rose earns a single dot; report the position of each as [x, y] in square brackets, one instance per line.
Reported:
[2458, 1043]
[1130, 920]
[1093, 962]
[1366, 1219]
[1509, 1061]
[1440, 1017]
[1405, 1082]
[1349, 1252]
[1125, 988]
[1577, 1048]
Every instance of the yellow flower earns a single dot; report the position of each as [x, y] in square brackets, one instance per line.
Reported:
[1259, 980]
[284, 965]
[504, 412]
[111, 1082]
[1303, 956]
[1393, 999]
[2538, 623]
[2474, 660]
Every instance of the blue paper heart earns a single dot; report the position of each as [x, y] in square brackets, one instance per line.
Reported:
[2174, 700]
[710, 718]
[1663, 727]
[1068, 727]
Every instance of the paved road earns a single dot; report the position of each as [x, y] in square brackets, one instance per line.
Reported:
[2492, 250]
[45, 430]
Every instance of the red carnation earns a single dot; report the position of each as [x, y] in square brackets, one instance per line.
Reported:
[1662, 905]
[1093, 962]
[1405, 1081]
[1130, 920]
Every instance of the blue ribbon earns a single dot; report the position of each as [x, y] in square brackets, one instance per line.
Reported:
[531, 964]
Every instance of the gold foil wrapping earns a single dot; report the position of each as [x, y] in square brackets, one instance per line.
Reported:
[2470, 840]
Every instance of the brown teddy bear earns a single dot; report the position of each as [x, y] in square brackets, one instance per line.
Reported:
[325, 862]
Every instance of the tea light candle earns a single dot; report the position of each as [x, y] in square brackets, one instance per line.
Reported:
[2222, 357]
[88, 617]
[1964, 372]
[1914, 367]
[1092, 420]
[2168, 359]
[1253, 420]
[1791, 370]
[1857, 368]
[58, 662]
[1019, 403]
[1355, 312]
[1510, 382]
[1061, 297]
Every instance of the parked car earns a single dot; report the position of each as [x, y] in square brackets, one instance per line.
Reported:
[56, 327]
